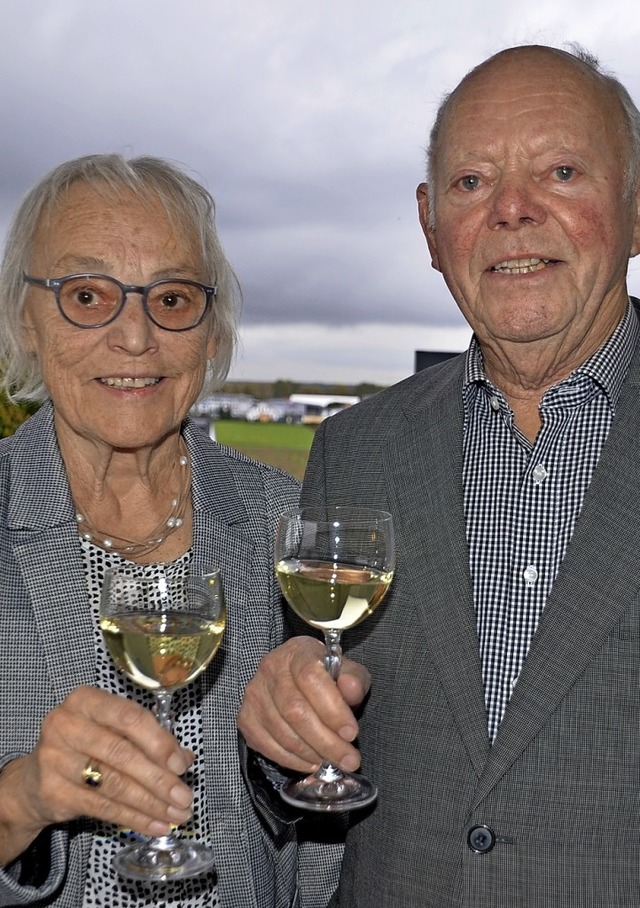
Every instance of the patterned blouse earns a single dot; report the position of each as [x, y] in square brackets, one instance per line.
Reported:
[104, 888]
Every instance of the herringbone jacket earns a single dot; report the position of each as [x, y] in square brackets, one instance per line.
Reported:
[560, 789]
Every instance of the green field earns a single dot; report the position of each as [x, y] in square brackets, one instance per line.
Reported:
[275, 443]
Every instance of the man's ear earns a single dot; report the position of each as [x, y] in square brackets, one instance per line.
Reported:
[424, 214]
[635, 243]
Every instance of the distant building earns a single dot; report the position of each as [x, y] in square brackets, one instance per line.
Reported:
[230, 406]
[425, 358]
[319, 406]
[278, 410]
[298, 408]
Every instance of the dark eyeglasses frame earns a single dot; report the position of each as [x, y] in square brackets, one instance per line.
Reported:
[55, 284]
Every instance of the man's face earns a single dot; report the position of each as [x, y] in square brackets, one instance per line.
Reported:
[531, 231]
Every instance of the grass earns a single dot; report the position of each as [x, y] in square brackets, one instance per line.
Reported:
[275, 443]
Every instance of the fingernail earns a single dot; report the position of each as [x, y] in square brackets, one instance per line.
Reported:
[179, 816]
[181, 796]
[189, 756]
[156, 828]
[347, 733]
[177, 764]
[350, 763]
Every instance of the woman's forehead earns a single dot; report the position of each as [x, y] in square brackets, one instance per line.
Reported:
[104, 216]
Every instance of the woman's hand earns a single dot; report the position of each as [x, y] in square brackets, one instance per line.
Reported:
[139, 761]
[295, 715]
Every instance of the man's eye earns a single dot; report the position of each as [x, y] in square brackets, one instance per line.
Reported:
[564, 173]
[469, 183]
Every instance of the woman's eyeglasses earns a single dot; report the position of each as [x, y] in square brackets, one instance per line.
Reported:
[95, 300]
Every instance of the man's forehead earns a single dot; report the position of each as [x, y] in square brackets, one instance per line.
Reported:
[528, 81]
[527, 68]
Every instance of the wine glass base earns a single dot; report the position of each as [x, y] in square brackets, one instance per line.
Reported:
[163, 860]
[348, 792]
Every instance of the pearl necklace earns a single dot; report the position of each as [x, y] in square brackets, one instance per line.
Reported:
[123, 546]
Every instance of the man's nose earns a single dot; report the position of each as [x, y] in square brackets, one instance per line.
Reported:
[515, 202]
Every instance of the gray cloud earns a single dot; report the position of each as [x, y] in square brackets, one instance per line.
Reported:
[307, 122]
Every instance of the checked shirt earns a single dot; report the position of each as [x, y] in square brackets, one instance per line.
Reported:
[522, 499]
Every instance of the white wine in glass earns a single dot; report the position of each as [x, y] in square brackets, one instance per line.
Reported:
[162, 633]
[334, 566]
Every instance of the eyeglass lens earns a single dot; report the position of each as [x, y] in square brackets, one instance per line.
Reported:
[172, 304]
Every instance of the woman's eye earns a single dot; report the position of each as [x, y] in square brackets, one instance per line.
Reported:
[172, 300]
[85, 297]
[564, 173]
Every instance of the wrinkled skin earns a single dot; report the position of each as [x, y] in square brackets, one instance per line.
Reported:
[141, 764]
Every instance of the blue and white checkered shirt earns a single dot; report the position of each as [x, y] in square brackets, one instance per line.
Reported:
[522, 499]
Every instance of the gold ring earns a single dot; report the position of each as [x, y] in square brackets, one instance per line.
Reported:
[91, 775]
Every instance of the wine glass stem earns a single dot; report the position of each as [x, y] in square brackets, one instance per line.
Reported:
[162, 712]
[162, 709]
[332, 663]
[332, 653]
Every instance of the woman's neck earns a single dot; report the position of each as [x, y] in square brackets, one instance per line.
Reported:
[137, 503]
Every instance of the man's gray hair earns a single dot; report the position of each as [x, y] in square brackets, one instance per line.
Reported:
[590, 63]
[188, 205]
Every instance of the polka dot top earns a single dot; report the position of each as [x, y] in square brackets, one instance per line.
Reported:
[104, 888]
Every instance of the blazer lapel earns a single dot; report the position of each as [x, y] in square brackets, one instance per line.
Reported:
[43, 530]
[424, 469]
[58, 594]
[598, 579]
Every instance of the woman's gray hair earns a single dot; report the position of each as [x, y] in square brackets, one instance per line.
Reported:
[188, 205]
[590, 63]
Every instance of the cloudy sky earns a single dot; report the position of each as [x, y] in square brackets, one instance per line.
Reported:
[307, 120]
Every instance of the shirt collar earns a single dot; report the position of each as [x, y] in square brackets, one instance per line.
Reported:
[608, 366]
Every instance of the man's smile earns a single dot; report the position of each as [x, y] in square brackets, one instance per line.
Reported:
[522, 266]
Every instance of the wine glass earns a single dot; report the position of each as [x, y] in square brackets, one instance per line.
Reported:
[334, 566]
[162, 632]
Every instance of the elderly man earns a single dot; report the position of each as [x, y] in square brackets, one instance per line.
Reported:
[503, 724]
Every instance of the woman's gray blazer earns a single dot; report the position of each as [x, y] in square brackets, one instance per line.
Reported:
[46, 650]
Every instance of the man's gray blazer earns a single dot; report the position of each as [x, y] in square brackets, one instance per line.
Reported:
[46, 650]
[560, 789]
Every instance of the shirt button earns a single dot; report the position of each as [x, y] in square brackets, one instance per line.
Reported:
[530, 575]
[495, 403]
[540, 472]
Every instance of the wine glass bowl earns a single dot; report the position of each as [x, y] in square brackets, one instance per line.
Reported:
[162, 633]
[334, 566]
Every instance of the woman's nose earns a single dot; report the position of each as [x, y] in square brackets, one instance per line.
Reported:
[132, 329]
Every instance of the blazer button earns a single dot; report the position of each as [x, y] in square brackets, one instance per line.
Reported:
[481, 839]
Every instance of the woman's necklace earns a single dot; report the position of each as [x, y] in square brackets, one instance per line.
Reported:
[123, 546]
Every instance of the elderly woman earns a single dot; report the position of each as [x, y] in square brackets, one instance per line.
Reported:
[117, 304]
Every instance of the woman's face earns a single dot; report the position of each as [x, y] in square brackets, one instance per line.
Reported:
[83, 369]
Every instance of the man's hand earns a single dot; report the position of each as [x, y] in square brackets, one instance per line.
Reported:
[295, 715]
